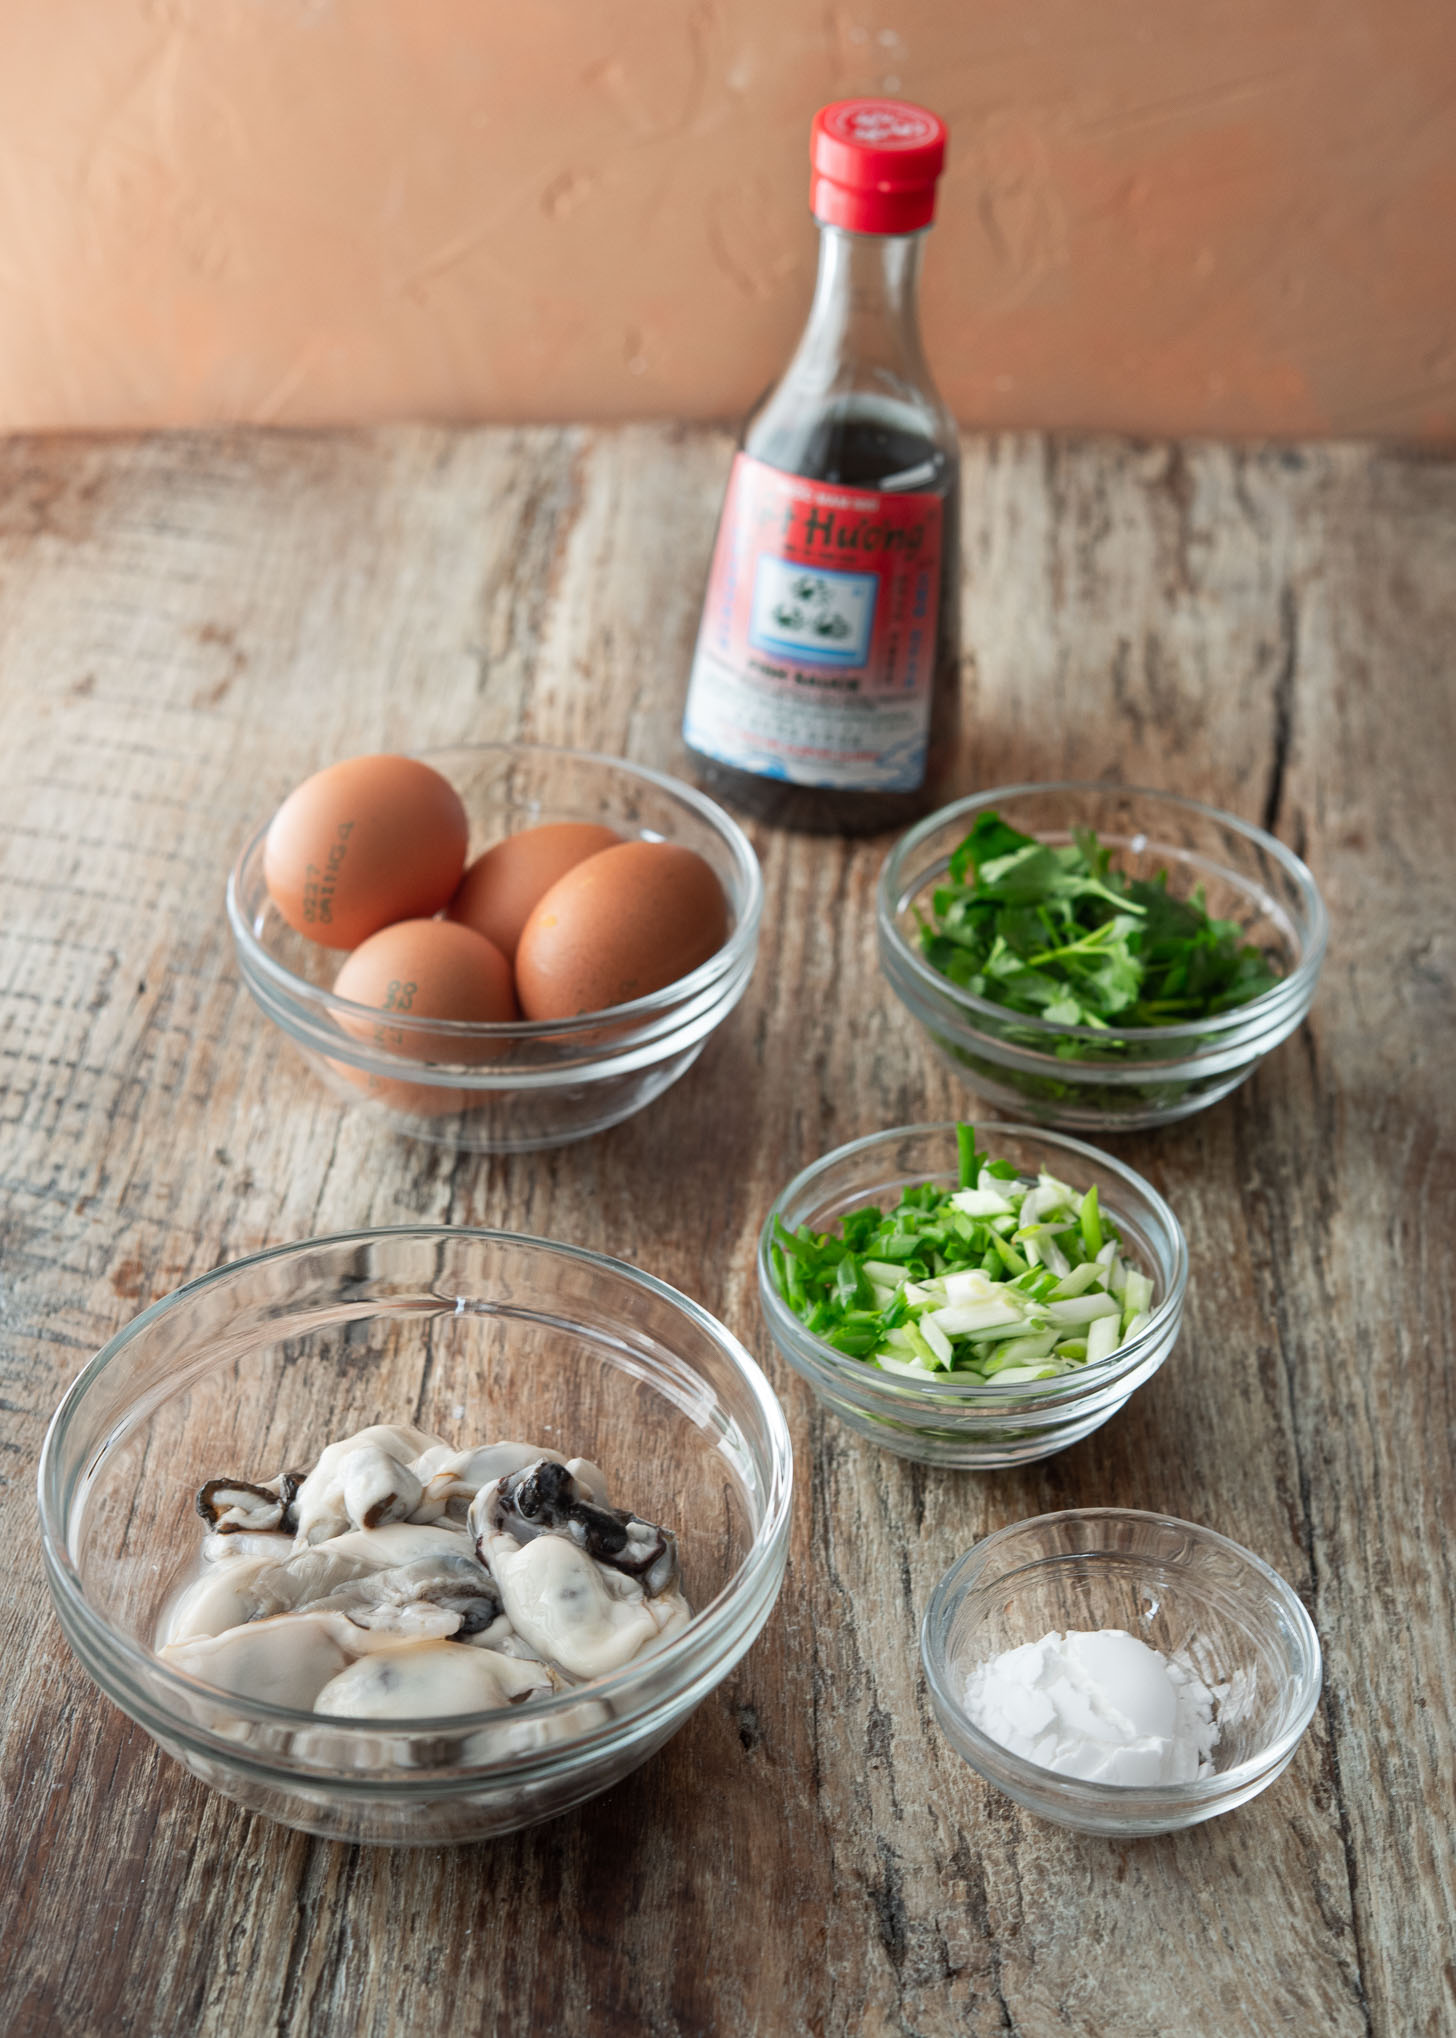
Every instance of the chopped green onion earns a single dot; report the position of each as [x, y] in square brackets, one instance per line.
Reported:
[1077, 1282]
[1090, 1222]
[997, 1279]
[1102, 1338]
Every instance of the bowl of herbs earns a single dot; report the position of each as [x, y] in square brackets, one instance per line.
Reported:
[1099, 958]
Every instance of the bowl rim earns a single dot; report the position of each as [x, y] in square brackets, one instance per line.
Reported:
[980, 1396]
[257, 960]
[1128, 1797]
[707, 1622]
[1289, 991]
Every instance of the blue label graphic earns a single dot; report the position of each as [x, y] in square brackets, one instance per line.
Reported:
[813, 614]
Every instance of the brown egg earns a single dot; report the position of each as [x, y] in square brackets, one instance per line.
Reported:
[626, 922]
[500, 890]
[427, 969]
[362, 844]
[420, 1100]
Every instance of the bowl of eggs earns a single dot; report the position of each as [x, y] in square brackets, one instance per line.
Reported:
[500, 947]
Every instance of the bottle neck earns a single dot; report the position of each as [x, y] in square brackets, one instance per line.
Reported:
[866, 304]
[859, 367]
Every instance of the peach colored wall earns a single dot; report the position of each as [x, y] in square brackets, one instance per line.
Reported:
[1223, 216]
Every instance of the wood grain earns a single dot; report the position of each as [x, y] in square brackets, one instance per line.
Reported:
[189, 625]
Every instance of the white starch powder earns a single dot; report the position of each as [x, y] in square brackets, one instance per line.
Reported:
[1101, 1706]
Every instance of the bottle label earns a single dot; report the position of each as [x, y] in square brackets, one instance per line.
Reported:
[816, 654]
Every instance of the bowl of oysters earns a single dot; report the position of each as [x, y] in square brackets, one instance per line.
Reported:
[418, 1535]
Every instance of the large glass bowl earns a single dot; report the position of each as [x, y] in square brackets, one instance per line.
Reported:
[525, 1084]
[1179, 1588]
[1079, 1077]
[955, 1420]
[478, 1335]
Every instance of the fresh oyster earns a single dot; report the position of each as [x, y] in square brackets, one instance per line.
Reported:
[587, 1586]
[233, 1507]
[286, 1660]
[222, 1598]
[548, 1497]
[402, 1578]
[453, 1478]
[457, 1585]
[573, 1610]
[339, 1493]
[429, 1679]
[349, 1574]
[401, 1542]
[228, 1545]
[303, 1579]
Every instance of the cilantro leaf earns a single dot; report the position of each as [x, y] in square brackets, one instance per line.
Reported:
[1060, 932]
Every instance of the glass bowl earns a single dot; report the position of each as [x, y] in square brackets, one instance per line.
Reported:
[1177, 1587]
[959, 1422]
[526, 1084]
[1081, 1077]
[478, 1335]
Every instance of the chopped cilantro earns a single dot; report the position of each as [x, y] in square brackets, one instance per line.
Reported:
[1059, 933]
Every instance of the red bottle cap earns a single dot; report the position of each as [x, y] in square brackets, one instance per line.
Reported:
[875, 164]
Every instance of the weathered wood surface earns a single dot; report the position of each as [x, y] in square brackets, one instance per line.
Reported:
[187, 626]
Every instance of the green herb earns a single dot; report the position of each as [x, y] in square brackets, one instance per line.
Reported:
[1059, 933]
[999, 1279]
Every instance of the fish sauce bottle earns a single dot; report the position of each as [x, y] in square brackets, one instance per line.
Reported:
[825, 687]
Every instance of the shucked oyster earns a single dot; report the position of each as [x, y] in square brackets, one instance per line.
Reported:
[236, 1506]
[221, 1598]
[401, 1542]
[561, 1602]
[360, 1582]
[362, 1589]
[547, 1498]
[589, 1587]
[383, 1475]
[362, 1481]
[286, 1660]
[453, 1478]
[430, 1679]
[456, 1584]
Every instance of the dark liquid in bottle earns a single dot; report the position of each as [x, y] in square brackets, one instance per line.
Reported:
[859, 450]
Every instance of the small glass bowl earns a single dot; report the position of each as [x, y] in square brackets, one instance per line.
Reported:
[958, 1422]
[478, 1335]
[522, 1085]
[1177, 1587]
[1077, 1076]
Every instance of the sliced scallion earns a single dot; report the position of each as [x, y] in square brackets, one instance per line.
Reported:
[997, 1279]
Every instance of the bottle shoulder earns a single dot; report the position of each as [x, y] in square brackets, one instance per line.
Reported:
[861, 431]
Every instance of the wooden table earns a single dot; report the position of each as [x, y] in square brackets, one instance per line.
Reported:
[189, 625]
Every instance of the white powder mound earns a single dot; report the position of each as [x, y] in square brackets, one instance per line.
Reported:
[1101, 1706]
